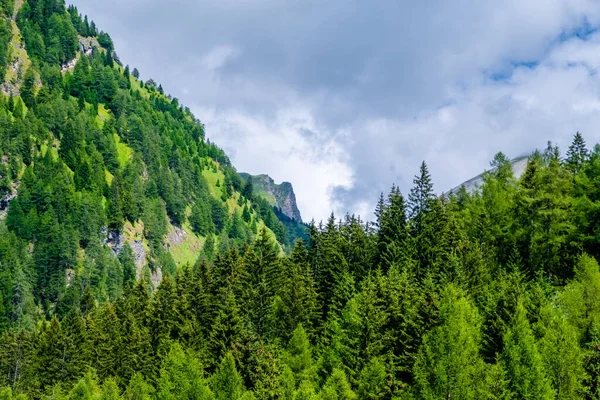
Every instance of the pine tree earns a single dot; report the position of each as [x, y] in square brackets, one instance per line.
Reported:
[138, 389]
[28, 88]
[298, 356]
[228, 331]
[372, 383]
[362, 322]
[127, 261]
[562, 355]
[392, 237]
[248, 189]
[337, 387]
[405, 326]
[86, 388]
[263, 268]
[110, 390]
[164, 316]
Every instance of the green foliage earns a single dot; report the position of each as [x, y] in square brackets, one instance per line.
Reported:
[526, 372]
[490, 294]
[181, 377]
[227, 382]
[449, 364]
[337, 387]
[138, 389]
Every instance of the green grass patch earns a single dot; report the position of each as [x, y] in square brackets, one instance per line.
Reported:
[124, 152]
[136, 86]
[188, 250]
[103, 115]
[212, 178]
[267, 196]
[133, 232]
[17, 54]
[109, 177]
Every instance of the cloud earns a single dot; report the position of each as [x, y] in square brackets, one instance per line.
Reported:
[259, 144]
[219, 56]
[345, 98]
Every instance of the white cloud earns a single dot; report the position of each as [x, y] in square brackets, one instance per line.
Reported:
[356, 94]
[219, 56]
[283, 147]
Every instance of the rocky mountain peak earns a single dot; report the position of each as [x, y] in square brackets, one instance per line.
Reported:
[280, 195]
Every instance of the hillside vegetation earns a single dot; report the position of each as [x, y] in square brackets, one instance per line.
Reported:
[135, 263]
[88, 149]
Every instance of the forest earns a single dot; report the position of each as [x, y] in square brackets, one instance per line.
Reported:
[490, 294]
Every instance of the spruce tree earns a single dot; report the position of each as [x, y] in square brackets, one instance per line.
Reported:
[562, 355]
[392, 237]
[28, 88]
[138, 389]
[419, 199]
[337, 387]
[577, 154]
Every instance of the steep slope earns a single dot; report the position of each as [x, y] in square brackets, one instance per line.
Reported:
[518, 166]
[103, 178]
[280, 195]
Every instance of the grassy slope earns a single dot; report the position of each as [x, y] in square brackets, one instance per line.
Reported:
[124, 152]
[17, 53]
[188, 249]
[267, 196]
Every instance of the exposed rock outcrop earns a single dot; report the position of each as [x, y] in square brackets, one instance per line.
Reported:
[279, 195]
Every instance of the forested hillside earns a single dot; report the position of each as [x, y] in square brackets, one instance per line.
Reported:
[107, 177]
[135, 263]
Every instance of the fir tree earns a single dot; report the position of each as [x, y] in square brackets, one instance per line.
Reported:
[419, 199]
[577, 154]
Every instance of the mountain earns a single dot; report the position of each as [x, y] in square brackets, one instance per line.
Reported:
[136, 263]
[278, 195]
[518, 166]
[104, 178]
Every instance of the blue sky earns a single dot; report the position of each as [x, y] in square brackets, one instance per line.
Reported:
[345, 98]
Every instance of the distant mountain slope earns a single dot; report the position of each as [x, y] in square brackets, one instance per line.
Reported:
[104, 178]
[278, 195]
[518, 165]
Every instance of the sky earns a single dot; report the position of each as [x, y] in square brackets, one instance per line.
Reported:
[344, 98]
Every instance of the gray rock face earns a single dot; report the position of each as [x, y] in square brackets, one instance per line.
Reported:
[279, 195]
[518, 165]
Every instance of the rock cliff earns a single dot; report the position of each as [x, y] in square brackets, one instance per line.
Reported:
[279, 195]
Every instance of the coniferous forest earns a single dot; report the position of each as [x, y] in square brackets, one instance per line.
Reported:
[491, 294]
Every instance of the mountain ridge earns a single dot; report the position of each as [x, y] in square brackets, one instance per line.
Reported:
[119, 172]
[279, 195]
[471, 185]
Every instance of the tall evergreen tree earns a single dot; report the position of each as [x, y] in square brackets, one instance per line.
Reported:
[577, 154]
[419, 199]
